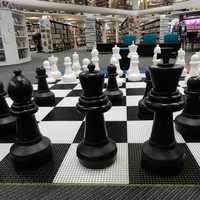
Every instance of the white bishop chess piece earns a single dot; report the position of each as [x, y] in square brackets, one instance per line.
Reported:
[56, 74]
[76, 64]
[47, 67]
[117, 56]
[157, 50]
[95, 58]
[181, 60]
[85, 62]
[69, 76]
[133, 72]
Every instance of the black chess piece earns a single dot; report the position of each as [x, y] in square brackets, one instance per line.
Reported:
[112, 91]
[143, 111]
[43, 96]
[161, 154]
[166, 54]
[7, 121]
[188, 122]
[31, 148]
[96, 150]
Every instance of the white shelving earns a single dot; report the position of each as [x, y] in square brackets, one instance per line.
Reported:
[14, 38]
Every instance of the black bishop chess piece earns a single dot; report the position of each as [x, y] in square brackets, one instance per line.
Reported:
[188, 122]
[30, 148]
[143, 111]
[96, 150]
[161, 154]
[112, 91]
[7, 121]
[43, 96]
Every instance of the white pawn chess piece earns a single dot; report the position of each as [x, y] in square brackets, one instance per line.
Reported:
[85, 62]
[181, 60]
[95, 58]
[76, 67]
[56, 74]
[69, 76]
[157, 50]
[117, 56]
[47, 67]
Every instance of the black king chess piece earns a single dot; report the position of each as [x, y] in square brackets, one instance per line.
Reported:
[161, 154]
[112, 91]
[188, 122]
[30, 148]
[43, 96]
[96, 150]
[143, 111]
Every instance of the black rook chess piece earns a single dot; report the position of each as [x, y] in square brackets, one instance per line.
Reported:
[96, 150]
[43, 96]
[143, 111]
[188, 122]
[161, 154]
[30, 148]
[112, 91]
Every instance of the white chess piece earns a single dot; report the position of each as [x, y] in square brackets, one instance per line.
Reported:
[76, 64]
[95, 58]
[157, 50]
[47, 67]
[85, 62]
[181, 60]
[117, 56]
[56, 74]
[69, 76]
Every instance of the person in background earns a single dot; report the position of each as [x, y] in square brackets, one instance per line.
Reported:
[37, 41]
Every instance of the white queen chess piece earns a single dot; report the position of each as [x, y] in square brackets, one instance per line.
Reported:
[56, 74]
[85, 62]
[95, 58]
[117, 56]
[69, 76]
[76, 64]
[181, 60]
[47, 67]
[157, 50]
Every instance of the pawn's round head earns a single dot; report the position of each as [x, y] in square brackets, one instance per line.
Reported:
[111, 69]
[67, 60]
[95, 52]
[75, 56]
[193, 84]
[46, 64]
[86, 61]
[194, 58]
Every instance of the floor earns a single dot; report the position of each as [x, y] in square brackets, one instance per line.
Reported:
[37, 59]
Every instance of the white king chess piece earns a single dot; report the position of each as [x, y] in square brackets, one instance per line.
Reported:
[76, 64]
[56, 74]
[157, 50]
[117, 56]
[47, 67]
[85, 62]
[181, 60]
[95, 58]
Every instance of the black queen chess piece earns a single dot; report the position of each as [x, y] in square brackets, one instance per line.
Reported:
[96, 150]
[43, 96]
[161, 154]
[30, 148]
[188, 122]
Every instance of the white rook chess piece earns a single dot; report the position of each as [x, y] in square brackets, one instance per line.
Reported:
[76, 64]
[69, 76]
[85, 62]
[56, 74]
[181, 60]
[157, 50]
[133, 72]
[117, 56]
[47, 67]
[95, 58]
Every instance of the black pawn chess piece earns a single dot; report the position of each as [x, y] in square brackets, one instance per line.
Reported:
[112, 91]
[188, 122]
[161, 154]
[7, 121]
[143, 111]
[43, 96]
[166, 54]
[96, 150]
[31, 148]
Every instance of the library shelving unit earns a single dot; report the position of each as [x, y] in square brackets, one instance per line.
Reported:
[99, 31]
[80, 36]
[14, 44]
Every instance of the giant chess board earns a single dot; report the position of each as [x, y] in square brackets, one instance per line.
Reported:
[65, 178]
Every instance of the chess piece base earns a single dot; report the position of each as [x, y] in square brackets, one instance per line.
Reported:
[45, 99]
[163, 161]
[115, 95]
[69, 79]
[134, 77]
[97, 157]
[56, 75]
[31, 155]
[143, 112]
